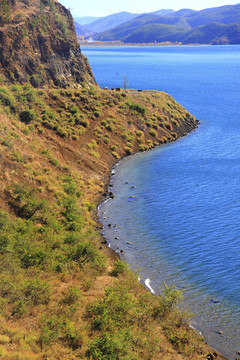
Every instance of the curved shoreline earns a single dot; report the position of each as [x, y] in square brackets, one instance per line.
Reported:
[145, 282]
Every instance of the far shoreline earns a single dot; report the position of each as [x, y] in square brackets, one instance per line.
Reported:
[120, 44]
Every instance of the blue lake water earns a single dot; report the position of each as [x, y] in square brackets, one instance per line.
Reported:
[183, 224]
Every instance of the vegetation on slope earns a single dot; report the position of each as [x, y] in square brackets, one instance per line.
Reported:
[38, 42]
[61, 297]
[63, 293]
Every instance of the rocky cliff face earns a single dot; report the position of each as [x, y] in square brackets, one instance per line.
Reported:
[38, 43]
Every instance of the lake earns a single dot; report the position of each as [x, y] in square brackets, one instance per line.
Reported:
[182, 226]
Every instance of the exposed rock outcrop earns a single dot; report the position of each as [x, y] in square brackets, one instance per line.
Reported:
[38, 43]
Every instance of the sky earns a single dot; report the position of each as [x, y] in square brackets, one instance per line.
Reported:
[107, 7]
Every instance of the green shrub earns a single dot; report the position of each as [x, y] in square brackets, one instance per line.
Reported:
[109, 127]
[16, 156]
[73, 294]
[85, 252]
[129, 144]
[128, 150]
[153, 133]
[73, 218]
[72, 336]
[115, 154]
[5, 240]
[72, 238]
[51, 329]
[8, 100]
[97, 114]
[4, 339]
[29, 94]
[143, 147]
[5, 12]
[27, 116]
[167, 125]
[36, 291]
[61, 132]
[70, 187]
[95, 154]
[136, 107]
[25, 202]
[168, 301]
[119, 268]
[36, 81]
[73, 109]
[139, 133]
[108, 347]
[62, 24]
[30, 256]
[7, 143]
[80, 120]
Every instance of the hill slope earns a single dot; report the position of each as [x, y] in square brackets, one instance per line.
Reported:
[84, 20]
[199, 24]
[80, 30]
[60, 295]
[225, 15]
[38, 40]
[109, 22]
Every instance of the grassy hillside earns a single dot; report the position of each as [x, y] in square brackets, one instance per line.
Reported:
[64, 294]
[155, 33]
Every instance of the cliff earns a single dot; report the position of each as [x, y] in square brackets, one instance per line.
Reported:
[38, 43]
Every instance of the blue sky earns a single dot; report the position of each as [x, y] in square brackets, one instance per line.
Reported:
[107, 7]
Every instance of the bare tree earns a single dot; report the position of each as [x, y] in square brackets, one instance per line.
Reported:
[125, 82]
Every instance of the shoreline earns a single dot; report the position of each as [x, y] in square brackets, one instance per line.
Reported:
[118, 44]
[119, 255]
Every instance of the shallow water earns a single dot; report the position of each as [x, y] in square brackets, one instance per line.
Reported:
[178, 215]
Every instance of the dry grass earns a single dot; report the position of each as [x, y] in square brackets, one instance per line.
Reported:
[55, 272]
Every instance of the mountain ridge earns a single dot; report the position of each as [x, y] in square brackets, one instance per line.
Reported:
[139, 29]
[110, 21]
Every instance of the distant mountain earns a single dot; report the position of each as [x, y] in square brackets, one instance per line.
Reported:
[225, 15]
[182, 13]
[210, 26]
[122, 32]
[110, 21]
[84, 20]
[156, 32]
[214, 34]
[163, 12]
[80, 30]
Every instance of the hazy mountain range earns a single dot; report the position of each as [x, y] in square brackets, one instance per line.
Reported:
[219, 25]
